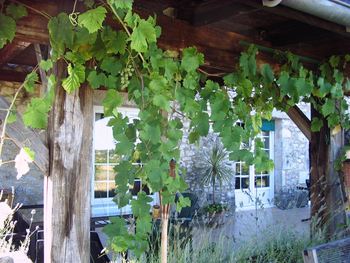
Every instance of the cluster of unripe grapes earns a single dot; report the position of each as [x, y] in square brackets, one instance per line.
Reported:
[125, 74]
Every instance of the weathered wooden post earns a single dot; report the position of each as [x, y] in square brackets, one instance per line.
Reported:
[327, 200]
[67, 187]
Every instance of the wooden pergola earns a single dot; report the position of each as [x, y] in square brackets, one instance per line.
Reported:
[220, 29]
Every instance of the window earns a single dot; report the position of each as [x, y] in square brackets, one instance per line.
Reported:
[263, 179]
[105, 159]
[242, 175]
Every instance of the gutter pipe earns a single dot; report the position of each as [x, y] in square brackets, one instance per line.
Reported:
[331, 10]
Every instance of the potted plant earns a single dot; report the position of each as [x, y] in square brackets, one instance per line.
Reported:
[215, 168]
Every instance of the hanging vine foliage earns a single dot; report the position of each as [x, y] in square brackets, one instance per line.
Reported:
[167, 87]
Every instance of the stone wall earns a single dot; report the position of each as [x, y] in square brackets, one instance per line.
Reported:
[291, 152]
[191, 162]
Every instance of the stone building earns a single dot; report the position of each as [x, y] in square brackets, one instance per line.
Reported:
[286, 145]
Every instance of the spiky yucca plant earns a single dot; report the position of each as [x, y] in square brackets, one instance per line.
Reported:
[215, 167]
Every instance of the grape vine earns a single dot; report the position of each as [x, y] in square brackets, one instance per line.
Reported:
[168, 86]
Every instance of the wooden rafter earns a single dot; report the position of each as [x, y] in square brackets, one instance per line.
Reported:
[300, 120]
[212, 11]
[11, 50]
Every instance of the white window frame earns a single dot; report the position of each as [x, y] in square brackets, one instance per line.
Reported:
[106, 206]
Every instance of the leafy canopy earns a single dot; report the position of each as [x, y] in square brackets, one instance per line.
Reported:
[168, 88]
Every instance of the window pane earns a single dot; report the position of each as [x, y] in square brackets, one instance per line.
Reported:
[265, 133]
[245, 169]
[100, 190]
[238, 185]
[238, 168]
[111, 189]
[265, 182]
[101, 156]
[113, 157]
[146, 189]
[266, 142]
[245, 183]
[101, 172]
[257, 181]
[136, 187]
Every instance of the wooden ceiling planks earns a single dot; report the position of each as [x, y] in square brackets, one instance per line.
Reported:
[216, 29]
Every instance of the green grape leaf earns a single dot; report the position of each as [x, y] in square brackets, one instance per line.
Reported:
[96, 80]
[36, 113]
[154, 171]
[325, 87]
[76, 76]
[7, 29]
[183, 202]
[303, 87]
[46, 64]
[201, 122]
[112, 100]
[247, 62]
[267, 73]
[247, 88]
[92, 19]
[167, 197]
[115, 41]
[142, 36]
[161, 101]
[29, 82]
[61, 33]
[334, 61]
[191, 59]
[111, 65]
[122, 4]
[116, 227]
[328, 107]
[140, 206]
[316, 124]
[193, 137]
[144, 225]
[333, 120]
[16, 11]
[151, 132]
[111, 82]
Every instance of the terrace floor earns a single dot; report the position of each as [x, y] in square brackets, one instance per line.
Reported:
[248, 226]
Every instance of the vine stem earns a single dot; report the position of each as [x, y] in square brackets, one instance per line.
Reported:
[127, 31]
[3, 132]
[46, 15]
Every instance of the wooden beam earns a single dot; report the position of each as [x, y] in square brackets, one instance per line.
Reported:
[12, 76]
[211, 11]
[11, 50]
[23, 136]
[300, 120]
[219, 47]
